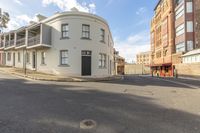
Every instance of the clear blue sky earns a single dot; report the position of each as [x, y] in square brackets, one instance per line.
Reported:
[129, 20]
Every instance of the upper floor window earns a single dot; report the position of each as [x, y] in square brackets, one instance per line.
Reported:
[64, 57]
[189, 7]
[189, 26]
[190, 45]
[85, 31]
[180, 12]
[180, 47]
[65, 30]
[102, 35]
[180, 30]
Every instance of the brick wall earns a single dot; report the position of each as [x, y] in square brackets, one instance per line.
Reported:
[192, 70]
[197, 23]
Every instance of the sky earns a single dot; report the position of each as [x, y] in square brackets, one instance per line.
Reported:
[129, 20]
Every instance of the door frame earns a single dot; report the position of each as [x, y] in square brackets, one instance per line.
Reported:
[86, 53]
[13, 59]
[34, 60]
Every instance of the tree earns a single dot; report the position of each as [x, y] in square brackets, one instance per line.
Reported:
[4, 19]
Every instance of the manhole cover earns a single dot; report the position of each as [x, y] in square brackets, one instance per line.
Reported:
[88, 124]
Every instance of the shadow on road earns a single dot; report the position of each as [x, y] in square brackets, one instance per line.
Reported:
[153, 81]
[37, 108]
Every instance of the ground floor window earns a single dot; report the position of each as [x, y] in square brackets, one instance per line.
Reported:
[19, 57]
[43, 56]
[64, 57]
[102, 60]
[8, 56]
[180, 47]
[27, 57]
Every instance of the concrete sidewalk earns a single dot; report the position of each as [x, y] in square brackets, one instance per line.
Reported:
[50, 77]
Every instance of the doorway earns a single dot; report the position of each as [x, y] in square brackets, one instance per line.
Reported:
[13, 59]
[34, 60]
[86, 63]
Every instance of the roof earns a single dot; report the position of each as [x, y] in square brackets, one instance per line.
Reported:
[193, 52]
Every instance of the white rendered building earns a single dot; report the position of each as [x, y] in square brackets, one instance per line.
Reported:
[68, 44]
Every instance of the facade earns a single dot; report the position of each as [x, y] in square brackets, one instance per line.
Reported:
[197, 22]
[68, 44]
[184, 26]
[144, 58]
[119, 64]
[162, 38]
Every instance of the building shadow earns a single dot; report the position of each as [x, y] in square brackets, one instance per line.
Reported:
[27, 107]
[157, 82]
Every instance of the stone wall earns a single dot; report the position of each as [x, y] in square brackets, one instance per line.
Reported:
[192, 70]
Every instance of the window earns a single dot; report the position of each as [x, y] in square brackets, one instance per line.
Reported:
[189, 26]
[180, 30]
[180, 47]
[43, 55]
[189, 7]
[27, 57]
[19, 57]
[189, 45]
[180, 12]
[65, 30]
[8, 56]
[85, 31]
[158, 54]
[102, 35]
[64, 57]
[102, 60]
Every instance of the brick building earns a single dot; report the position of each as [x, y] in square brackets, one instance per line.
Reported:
[162, 38]
[197, 23]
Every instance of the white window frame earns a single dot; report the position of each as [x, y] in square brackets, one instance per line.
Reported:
[189, 7]
[64, 59]
[190, 26]
[102, 60]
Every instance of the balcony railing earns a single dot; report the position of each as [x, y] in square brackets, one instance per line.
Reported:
[7, 44]
[20, 42]
[1, 44]
[12, 42]
[34, 40]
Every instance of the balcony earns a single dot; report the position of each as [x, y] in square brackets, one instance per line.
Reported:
[1, 45]
[20, 43]
[34, 40]
[39, 36]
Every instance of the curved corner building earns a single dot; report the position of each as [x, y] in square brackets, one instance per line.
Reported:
[68, 44]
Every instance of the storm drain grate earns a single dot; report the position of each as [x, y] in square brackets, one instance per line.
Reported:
[88, 124]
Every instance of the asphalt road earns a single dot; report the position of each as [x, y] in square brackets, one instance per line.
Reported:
[132, 105]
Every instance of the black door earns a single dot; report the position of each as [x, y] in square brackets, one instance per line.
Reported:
[86, 63]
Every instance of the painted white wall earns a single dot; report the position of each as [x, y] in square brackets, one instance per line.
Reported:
[74, 45]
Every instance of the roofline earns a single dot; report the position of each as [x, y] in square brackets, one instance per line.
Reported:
[157, 4]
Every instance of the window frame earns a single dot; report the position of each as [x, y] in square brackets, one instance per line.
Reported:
[85, 32]
[61, 58]
[64, 31]
[102, 35]
[43, 58]
[102, 60]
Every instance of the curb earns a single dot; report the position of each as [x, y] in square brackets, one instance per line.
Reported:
[63, 79]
